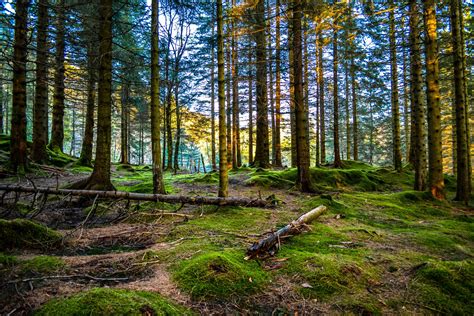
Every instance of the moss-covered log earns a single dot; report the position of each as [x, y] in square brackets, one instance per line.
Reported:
[271, 244]
[194, 200]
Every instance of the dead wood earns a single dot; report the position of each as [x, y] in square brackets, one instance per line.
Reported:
[270, 245]
[193, 200]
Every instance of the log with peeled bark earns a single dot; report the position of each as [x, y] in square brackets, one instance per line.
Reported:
[194, 200]
[270, 245]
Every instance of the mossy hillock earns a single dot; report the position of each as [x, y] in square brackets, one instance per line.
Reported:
[26, 234]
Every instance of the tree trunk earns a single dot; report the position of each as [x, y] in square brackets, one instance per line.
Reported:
[355, 130]
[236, 157]
[278, 162]
[397, 152]
[213, 110]
[223, 175]
[301, 116]
[124, 153]
[321, 98]
[418, 117]
[460, 104]
[100, 178]
[40, 120]
[262, 148]
[18, 150]
[228, 95]
[155, 111]
[57, 128]
[250, 74]
[435, 154]
[291, 71]
[406, 95]
[337, 155]
[177, 145]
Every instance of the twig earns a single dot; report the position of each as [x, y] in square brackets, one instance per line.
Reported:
[72, 276]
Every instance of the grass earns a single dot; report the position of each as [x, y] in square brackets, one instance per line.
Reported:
[25, 234]
[105, 301]
[219, 275]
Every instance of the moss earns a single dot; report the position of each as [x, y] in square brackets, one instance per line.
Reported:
[447, 286]
[21, 233]
[59, 159]
[81, 169]
[219, 275]
[125, 167]
[7, 260]
[42, 264]
[104, 301]
[212, 177]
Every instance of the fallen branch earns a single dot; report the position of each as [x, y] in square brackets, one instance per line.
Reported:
[194, 200]
[73, 276]
[271, 244]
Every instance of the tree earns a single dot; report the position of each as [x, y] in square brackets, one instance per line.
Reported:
[418, 118]
[213, 85]
[262, 150]
[18, 125]
[322, 124]
[460, 104]
[301, 116]
[337, 155]
[397, 152]
[277, 137]
[158, 185]
[57, 127]
[236, 155]
[435, 154]
[40, 120]
[223, 175]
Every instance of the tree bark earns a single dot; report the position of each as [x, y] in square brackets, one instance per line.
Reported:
[236, 157]
[57, 128]
[435, 154]
[460, 104]
[301, 116]
[278, 162]
[397, 152]
[262, 151]
[223, 175]
[40, 120]
[321, 98]
[418, 118]
[155, 111]
[213, 110]
[124, 153]
[250, 74]
[337, 155]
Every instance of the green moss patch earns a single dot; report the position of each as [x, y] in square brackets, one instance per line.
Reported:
[7, 260]
[42, 264]
[103, 301]
[59, 159]
[25, 234]
[219, 275]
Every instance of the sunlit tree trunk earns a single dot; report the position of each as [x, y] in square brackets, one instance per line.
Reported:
[292, 91]
[397, 152]
[57, 128]
[270, 82]
[236, 157]
[278, 162]
[124, 153]
[213, 110]
[337, 154]
[406, 98]
[435, 151]
[322, 124]
[460, 104]
[250, 74]
[262, 147]
[223, 175]
[40, 120]
[418, 144]
[18, 152]
[228, 94]
[178, 116]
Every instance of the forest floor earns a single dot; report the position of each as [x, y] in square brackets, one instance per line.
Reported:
[380, 248]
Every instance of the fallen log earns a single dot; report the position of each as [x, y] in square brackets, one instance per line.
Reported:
[270, 245]
[193, 200]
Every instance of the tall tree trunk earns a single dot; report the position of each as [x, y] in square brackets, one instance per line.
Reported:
[321, 98]
[2, 98]
[169, 135]
[270, 86]
[223, 175]
[236, 157]
[100, 178]
[228, 96]
[337, 155]
[278, 162]
[250, 74]
[18, 123]
[57, 128]
[435, 154]
[40, 120]
[418, 118]
[355, 131]
[262, 148]
[306, 77]
[397, 152]
[291, 70]
[178, 117]
[213, 110]
[346, 107]
[406, 98]
[73, 132]
[88, 138]
[460, 104]
[124, 153]
[155, 111]
[301, 116]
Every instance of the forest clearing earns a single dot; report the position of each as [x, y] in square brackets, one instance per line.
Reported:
[237, 157]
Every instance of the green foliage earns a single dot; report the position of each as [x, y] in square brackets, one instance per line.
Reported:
[219, 275]
[25, 234]
[7, 261]
[105, 301]
[42, 264]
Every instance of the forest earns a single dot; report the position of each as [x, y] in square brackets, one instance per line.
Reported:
[267, 157]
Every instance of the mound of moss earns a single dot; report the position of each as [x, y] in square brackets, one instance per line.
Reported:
[219, 275]
[25, 234]
[105, 301]
[59, 159]
[42, 264]
[211, 177]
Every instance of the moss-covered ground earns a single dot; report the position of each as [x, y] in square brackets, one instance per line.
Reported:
[381, 248]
